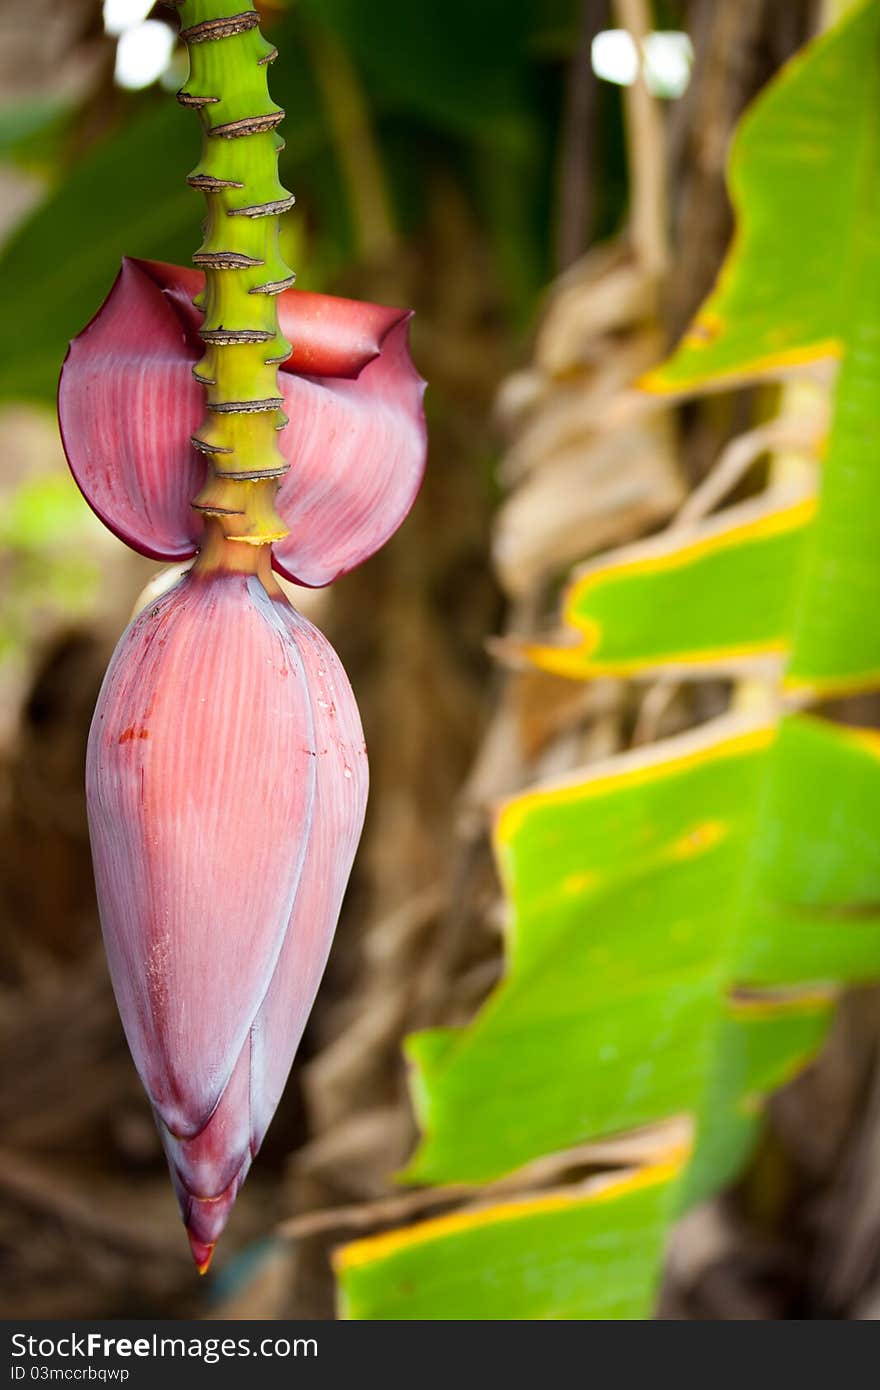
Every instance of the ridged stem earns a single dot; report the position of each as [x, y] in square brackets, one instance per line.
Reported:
[244, 270]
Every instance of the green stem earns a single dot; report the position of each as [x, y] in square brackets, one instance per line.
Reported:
[244, 270]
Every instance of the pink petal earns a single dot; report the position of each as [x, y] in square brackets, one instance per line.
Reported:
[127, 405]
[180, 284]
[331, 336]
[205, 1164]
[200, 779]
[357, 455]
[341, 787]
[356, 438]
[206, 1218]
[212, 1165]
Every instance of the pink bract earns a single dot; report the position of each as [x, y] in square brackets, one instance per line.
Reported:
[226, 781]
[128, 404]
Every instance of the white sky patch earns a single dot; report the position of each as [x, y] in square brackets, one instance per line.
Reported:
[143, 53]
[668, 59]
[120, 15]
[614, 57]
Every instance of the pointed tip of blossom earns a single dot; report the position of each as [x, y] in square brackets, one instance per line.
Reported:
[201, 1253]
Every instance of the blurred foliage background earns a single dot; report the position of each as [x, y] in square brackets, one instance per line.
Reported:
[470, 161]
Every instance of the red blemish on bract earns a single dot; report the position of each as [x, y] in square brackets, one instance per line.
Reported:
[131, 732]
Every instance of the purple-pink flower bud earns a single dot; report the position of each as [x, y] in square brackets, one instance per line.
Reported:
[226, 773]
[226, 780]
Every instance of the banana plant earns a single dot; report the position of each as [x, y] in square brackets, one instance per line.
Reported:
[682, 917]
[226, 771]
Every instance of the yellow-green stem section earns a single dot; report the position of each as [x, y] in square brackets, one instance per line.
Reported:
[221, 554]
[244, 271]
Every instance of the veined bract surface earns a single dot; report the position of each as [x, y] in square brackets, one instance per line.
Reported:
[226, 782]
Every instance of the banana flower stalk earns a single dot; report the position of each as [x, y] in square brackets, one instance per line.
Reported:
[226, 772]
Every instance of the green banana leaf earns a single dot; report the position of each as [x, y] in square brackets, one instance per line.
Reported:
[477, 1264]
[713, 599]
